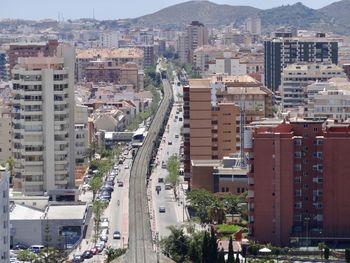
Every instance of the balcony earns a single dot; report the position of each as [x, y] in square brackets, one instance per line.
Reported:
[250, 194]
[251, 181]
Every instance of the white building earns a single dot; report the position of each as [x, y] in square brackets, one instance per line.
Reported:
[296, 77]
[109, 39]
[4, 218]
[5, 133]
[81, 133]
[228, 65]
[43, 124]
[253, 25]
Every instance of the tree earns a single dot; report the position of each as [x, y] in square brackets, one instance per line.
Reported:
[173, 166]
[114, 253]
[326, 252]
[98, 208]
[94, 185]
[205, 248]
[200, 200]
[176, 245]
[221, 256]
[230, 258]
[213, 246]
[195, 247]
[347, 254]
[26, 255]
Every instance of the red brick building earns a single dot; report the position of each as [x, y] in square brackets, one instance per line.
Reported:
[299, 183]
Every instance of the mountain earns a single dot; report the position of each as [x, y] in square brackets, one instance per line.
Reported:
[204, 11]
[297, 15]
[338, 13]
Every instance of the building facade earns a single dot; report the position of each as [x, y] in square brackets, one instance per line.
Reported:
[298, 183]
[5, 217]
[279, 52]
[5, 132]
[3, 67]
[43, 135]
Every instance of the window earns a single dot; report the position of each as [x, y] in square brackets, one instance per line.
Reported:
[238, 190]
[315, 129]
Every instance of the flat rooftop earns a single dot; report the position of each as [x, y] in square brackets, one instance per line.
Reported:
[108, 53]
[74, 212]
[22, 212]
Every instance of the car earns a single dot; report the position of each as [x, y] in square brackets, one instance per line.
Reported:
[116, 235]
[104, 225]
[180, 119]
[36, 248]
[110, 178]
[126, 166]
[115, 167]
[158, 188]
[100, 246]
[167, 187]
[121, 161]
[77, 259]
[94, 250]
[162, 209]
[108, 183]
[104, 237]
[170, 143]
[104, 219]
[107, 188]
[160, 180]
[120, 184]
[19, 246]
[87, 254]
[105, 194]
[176, 136]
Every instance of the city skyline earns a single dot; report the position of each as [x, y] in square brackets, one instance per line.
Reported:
[108, 9]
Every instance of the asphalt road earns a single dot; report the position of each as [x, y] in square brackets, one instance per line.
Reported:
[140, 238]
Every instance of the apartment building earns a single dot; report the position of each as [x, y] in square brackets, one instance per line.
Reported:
[253, 25]
[109, 39]
[210, 128]
[117, 57]
[17, 50]
[81, 116]
[5, 132]
[227, 64]
[3, 67]
[298, 183]
[109, 72]
[282, 51]
[5, 217]
[204, 56]
[43, 135]
[296, 77]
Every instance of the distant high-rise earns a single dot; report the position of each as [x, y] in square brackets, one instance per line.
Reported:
[43, 124]
[3, 68]
[253, 25]
[5, 216]
[279, 52]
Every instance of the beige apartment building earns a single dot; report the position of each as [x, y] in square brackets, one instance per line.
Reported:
[43, 135]
[114, 56]
[5, 132]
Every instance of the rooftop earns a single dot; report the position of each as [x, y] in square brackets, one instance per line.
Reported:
[75, 212]
[107, 53]
[22, 212]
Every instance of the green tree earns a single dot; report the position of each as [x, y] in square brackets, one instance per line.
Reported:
[114, 253]
[195, 247]
[98, 208]
[26, 255]
[221, 256]
[347, 254]
[213, 246]
[200, 200]
[173, 166]
[230, 258]
[326, 252]
[205, 248]
[94, 185]
[176, 245]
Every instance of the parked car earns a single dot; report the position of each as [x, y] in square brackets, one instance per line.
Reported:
[87, 254]
[160, 180]
[94, 250]
[104, 219]
[108, 183]
[19, 246]
[167, 187]
[100, 246]
[104, 225]
[126, 166]
[36, 248]
[116, 235]
[77, 259]
[107, 188]
[104, 237]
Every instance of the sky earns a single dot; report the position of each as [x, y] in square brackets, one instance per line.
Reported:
[115, 9]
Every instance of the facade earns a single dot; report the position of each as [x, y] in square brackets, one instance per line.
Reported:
[109, 39]
[5, 132]
[81, 133]
[118, 56]
[4, 219]
[253, 25]
[23, 50]
[228, 65]
[3, 67]
[109, 72]
[148, 51]
[43, 135]
[296, 77]
[298, 183]
[210, 128]
[280, 52]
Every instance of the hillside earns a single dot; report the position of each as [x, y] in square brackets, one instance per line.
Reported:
[207, 12]
[338, 13]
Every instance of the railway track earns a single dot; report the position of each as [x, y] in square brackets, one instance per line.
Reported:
[140, 236]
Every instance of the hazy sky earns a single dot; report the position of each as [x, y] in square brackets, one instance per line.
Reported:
[114, 9]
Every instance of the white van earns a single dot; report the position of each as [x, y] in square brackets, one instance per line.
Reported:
[36, 248]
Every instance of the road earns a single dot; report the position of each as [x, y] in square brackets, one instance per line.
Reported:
[175, 213]
[140, 237]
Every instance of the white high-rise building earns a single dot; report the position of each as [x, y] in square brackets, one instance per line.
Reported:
[253, 25]
[43, 134]
[109, 39]
[5, 216]
[81, 133]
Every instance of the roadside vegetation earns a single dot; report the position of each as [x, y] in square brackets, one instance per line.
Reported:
[173, 167]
